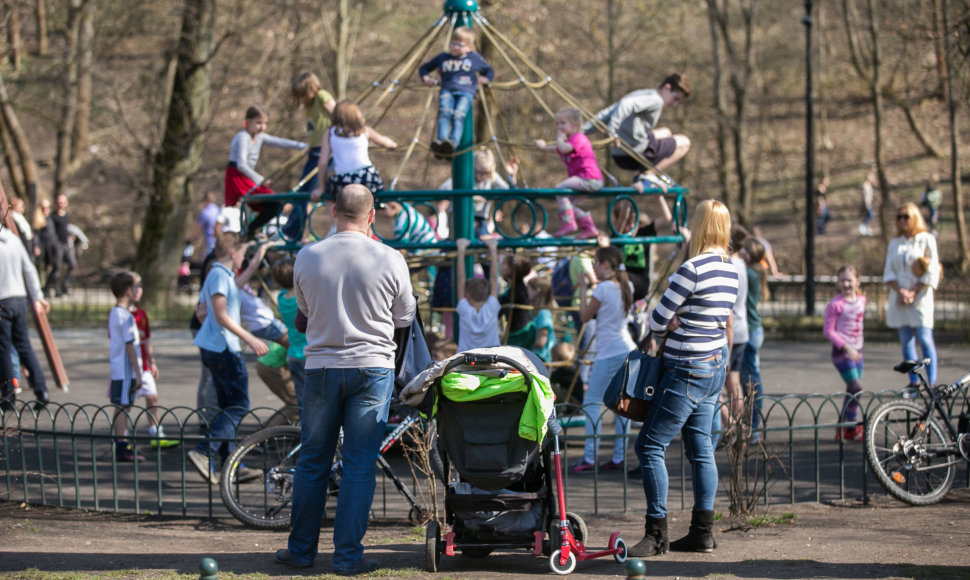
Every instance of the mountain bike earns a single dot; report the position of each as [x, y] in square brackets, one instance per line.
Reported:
[265, 500]
[912, 445]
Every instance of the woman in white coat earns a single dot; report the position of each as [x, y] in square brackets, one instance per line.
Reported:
[912, 273]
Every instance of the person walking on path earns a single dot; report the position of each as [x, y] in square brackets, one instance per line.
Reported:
[354, 291]
[64, 258]
[867, 209]
[18, 281]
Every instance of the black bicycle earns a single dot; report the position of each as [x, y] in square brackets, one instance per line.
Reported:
[912, 445]
[257, 478]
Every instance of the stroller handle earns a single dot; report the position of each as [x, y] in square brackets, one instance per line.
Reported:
[473, 359]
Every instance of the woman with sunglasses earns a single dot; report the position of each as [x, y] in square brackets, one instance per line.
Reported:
[912, 272]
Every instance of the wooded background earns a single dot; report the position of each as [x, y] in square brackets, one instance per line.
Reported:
[129, 107]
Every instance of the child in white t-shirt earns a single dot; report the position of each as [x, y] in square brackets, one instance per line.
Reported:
[478, 310]
[125, 360]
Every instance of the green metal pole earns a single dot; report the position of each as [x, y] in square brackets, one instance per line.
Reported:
[463, 166]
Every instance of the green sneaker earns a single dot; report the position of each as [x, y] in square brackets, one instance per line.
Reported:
[164, 443]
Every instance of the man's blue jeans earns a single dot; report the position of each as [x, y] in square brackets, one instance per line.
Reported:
[15, 337]
[357, 400]
[453, 107]
[232, 389]
[685, 403]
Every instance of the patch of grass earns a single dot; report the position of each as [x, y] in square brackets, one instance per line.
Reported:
[769, 520]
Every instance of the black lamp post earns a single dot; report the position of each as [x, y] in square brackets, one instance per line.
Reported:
[809, 167]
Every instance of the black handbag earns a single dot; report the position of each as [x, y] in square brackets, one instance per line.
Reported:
[632, 387]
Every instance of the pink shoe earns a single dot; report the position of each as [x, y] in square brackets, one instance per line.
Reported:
[582, 466]
[587, 228]
[612, 466]
[567, 218]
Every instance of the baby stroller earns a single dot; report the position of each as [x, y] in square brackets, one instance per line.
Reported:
[498, 432]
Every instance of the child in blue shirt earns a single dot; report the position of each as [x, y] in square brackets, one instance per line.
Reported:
[461, 70]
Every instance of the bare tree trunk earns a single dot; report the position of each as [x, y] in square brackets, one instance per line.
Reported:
[65, 129]
[869, 67]
[939, 47]
[929, 147]
[14, 37]
[85, 66]
[720, 105]
[180, 155]
[740, 65]
[348, 18]
[953, 102]
[27, 164]
[9, 153]
[40, 18]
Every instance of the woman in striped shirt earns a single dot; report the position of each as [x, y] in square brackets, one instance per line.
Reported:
[693, 316]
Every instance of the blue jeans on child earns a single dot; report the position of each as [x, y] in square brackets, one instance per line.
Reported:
[599, 378]
[358, 400]
[293, 228]
[453, 106]
[908, 337]
[232, 389]
[684, 403]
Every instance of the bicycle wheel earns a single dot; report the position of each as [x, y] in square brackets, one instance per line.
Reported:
[265, 501]
[911, 456]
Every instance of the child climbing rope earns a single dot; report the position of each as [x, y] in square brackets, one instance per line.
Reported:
[583, 170]
[461, 70]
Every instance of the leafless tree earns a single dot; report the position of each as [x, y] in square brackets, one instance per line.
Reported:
[180, 155]
[732, 31]
[956, 62]
[40, 21]
[27, 166]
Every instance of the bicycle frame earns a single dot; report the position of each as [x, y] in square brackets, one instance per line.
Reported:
[934, 397]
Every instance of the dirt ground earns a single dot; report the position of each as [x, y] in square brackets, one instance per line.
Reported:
[883, 540]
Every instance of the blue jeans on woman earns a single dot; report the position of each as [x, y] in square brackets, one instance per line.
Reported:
[908, 337]
[685, 403]
[599, 378]
[453, 107]
[751, 373]
[358, 400]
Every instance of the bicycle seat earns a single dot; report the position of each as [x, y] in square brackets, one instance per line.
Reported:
[911, 365]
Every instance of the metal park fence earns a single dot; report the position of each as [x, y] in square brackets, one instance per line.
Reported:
[63, 455]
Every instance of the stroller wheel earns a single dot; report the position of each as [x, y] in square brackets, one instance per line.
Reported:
[432, 551]
[562, 569]
[621, 555]
[576, 525]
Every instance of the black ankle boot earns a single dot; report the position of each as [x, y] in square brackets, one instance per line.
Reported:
[654, 542]
[700, 537]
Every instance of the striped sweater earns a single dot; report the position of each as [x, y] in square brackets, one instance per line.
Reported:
[701, 293]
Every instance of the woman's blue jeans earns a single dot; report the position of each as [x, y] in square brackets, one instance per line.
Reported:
[453, 107]
[751, 373]
[908, 337]
[685, 403]
[599, 378]
[356, 399]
